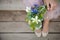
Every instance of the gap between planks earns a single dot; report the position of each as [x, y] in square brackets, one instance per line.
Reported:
[26, 32]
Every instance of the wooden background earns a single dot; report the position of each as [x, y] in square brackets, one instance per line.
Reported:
[14, 27]
[12, 5]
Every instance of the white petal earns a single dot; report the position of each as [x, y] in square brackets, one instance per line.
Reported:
[29, 22]
[40, 26]
[37, 28]
[39, 20]
[36, 17]
[32, 19]
[28, 9]
[36, 22]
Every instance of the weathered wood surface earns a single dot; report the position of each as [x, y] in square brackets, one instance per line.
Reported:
[14, 21]
[14, 27]
[28, 37]
[15, 16]
[12, 16]
[24, 27]
[12, 5]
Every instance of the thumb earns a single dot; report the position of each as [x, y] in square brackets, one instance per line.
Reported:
[48, 7]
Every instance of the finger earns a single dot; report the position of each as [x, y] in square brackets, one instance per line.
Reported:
[48, 8]
[51, 7]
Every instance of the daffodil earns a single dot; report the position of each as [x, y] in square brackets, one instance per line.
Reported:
[36, 19]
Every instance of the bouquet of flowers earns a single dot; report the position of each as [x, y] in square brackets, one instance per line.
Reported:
[35, 16]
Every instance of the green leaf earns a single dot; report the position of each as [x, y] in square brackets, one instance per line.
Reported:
[39, 25]
[33, 25]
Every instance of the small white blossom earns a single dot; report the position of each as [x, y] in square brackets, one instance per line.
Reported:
[36, 19]
[28, 9]
[29, 22]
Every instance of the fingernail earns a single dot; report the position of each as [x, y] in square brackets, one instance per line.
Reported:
[48, 9]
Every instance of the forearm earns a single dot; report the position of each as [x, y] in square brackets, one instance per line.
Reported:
[46, 22]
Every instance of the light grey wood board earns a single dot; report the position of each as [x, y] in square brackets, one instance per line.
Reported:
[12, 5]
[16, 16]
[12, 16]
[24, 27]
[28, 37]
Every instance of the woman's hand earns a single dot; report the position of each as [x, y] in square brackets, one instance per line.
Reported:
[51, 4]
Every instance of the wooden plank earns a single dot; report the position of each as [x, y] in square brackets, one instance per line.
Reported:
[12, 15]
[54, 27]
[24, 27]
[56, 20]
[14, 27]
[53, 37]
[15, 15]
[28, 37]
[12, 5]
[20, 37]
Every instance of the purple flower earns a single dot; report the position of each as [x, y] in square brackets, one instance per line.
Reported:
[36, 5]
[35, 11]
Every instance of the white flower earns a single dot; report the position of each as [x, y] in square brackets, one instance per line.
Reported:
[36, 19]
[29, 22]
[28, 9]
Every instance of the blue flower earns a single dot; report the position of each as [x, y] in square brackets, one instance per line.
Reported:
[35, 11]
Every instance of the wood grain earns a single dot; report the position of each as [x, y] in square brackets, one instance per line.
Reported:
[28, 37]
[24, 27]
[15, 15]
